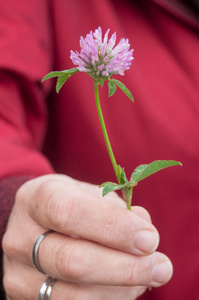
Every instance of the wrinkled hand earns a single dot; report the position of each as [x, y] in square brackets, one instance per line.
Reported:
[98, 250]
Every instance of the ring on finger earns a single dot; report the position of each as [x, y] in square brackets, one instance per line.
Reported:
[46, 288]
[35, 251]
[49, 288]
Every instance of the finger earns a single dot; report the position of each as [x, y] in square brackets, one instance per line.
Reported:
[114, 198]
[21, 281]
[83, 261]
[24, 283]
[69, 209]
[141, 212]
[63, 290]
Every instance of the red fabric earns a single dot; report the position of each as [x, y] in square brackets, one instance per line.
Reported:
[162, 124]
[8, 188]
[25, 53]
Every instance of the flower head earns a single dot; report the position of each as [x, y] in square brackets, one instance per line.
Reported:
[99, 58]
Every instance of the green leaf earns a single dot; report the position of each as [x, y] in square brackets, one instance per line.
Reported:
[59, 73]
[101, 82]
[60, 82]
[112, 88]
[110, 187]
[123, 88]
[146, 170]
[123, 178]
[51, 75]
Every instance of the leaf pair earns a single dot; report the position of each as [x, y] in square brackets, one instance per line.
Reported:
[62, 77]
[113, 83]
[140, 173]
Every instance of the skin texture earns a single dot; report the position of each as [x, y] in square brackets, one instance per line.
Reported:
[98, 250]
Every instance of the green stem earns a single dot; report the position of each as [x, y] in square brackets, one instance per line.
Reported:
[110, 151]
[127, 195]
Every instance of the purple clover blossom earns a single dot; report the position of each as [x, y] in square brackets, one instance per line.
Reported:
[99, 58]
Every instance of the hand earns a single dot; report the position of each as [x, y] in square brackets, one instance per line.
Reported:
[98, 250]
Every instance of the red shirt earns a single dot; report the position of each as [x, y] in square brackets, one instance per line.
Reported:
[42, 132]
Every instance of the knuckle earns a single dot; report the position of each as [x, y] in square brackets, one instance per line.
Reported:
[52, 202]
[70, 262]
[129, 276]
[8, 246]
[47, 197]
[138, 273]
[9, 284]
[53, 196]
[46, 190]
[75, 264]
[13, 246]
[12, 286]
[21, 193]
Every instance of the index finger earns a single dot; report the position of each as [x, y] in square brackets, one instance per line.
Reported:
[65, 207]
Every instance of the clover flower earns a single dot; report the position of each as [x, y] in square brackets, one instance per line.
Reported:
[99, 58]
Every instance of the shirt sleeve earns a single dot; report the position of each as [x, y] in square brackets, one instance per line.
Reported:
[25, 57]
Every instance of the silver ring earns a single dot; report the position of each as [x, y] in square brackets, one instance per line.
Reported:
[49, 288]
[46, 288]
[35, 251]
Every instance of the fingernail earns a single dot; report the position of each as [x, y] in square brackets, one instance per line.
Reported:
[162, 272]
[146, 241]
